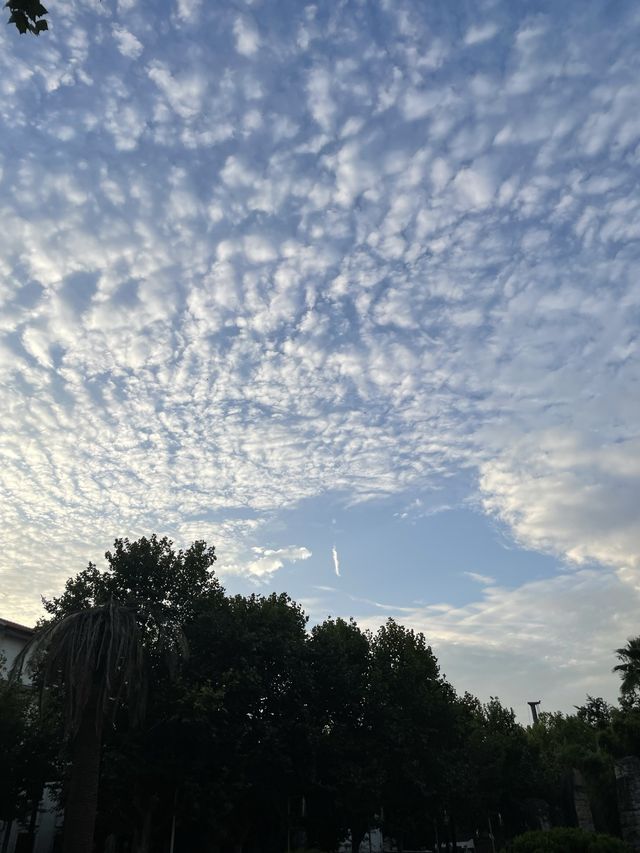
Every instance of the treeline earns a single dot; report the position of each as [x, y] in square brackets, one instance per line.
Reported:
[223, 724]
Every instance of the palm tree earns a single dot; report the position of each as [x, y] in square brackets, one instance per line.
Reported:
[630, 666]
[96, 657]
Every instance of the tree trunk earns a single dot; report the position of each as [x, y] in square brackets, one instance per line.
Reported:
[8, 826]
[81, 804]
[358, 832]
[142, 836]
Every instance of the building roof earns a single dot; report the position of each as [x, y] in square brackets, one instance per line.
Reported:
[7, 627]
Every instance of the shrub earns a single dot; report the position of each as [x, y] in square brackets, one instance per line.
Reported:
[568, 840]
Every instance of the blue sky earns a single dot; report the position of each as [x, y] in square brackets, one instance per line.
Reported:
[349, 279]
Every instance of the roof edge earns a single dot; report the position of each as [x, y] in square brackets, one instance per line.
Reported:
[7, 625]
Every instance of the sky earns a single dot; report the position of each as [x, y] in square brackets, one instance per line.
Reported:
[348, 289]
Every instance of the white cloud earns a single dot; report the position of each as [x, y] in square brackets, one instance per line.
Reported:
[128, 44]
[336, 561]
[126, 125]
[474, 188]
[259, 250]
[235, 173]
[270, 560]
[560, 492]
[247, 38]
[485, 580]
[321, 103]
[189, 10]
[184, 93]
[552, 639]
[480, 33]
[37, 343]
[418, 104]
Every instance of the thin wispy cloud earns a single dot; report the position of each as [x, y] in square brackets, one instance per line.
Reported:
[336, 561]
[552, 636]
[485, 580]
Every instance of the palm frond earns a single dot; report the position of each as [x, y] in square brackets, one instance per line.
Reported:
[95, 656]
[629, 666]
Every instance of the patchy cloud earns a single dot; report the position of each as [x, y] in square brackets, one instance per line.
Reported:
[252, 259]
[270, 560]
[246, 35]
[552, 638]
[127, 43]
[477, 34]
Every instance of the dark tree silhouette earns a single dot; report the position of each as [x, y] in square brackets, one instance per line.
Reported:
[629, 667]
[95, 657]
[27, 15]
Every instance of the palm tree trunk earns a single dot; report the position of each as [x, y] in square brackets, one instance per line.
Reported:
[81, 804]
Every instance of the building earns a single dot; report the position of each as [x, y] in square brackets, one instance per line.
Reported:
[13, 638]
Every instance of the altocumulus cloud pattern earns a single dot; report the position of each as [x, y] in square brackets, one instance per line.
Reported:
[255, 252]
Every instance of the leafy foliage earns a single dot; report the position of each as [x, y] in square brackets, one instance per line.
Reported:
[148, 571]
[412, 720]
[27, 16]
[595, 712]
[499, 766]
[344, 792]
[28, 746]
[629, 667]
[567, 840]
[247, 708]
[565, 742]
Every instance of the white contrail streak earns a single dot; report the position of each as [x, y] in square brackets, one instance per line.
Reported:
[336, 561]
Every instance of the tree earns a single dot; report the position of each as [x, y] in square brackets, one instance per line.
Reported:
[578, 741]
[106, 633]
[345, 793]
[596, 712]
[95, 658]
[629, 667]
[148, 571]
[502, 764]
[411, 711]
[27, 16]
[243, 758]
[28, 747]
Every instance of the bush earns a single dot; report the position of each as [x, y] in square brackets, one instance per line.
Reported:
[567, 840]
